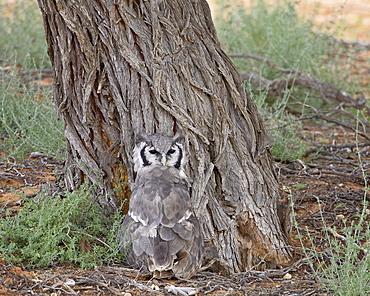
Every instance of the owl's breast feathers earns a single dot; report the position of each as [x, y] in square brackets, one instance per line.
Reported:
[164, 231]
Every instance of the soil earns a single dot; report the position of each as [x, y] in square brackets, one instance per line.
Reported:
[326, 188]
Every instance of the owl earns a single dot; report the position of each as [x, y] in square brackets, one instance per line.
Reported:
[161, 227]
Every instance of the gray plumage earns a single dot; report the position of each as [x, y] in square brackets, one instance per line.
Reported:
[161, 227]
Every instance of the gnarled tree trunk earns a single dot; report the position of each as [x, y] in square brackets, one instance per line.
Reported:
[123, 67]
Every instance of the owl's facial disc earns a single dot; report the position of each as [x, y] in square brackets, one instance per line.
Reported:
[159, 150]
[172, 157]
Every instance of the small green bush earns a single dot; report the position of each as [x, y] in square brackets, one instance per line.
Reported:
[274, 32]
[344, 265]
[49, 230]
[348, 270]
[345, 268]
[28, 121]
[22, 36]
[281, 126]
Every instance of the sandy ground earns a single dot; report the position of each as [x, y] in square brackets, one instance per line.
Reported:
[353, 16]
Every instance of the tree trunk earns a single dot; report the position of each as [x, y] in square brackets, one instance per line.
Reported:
[124, 67]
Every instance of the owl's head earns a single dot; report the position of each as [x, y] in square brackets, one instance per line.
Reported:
[159, 150]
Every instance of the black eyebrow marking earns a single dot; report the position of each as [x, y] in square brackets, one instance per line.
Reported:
[178, 162]
[143, 157]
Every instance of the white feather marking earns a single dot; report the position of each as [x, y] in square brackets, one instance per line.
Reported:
[152, 231]
[182, 174]
[186, 216]
[138, 219]
[138, 162]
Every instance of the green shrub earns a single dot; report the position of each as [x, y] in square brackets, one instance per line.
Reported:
[49, 230]
[348, 270]
[274, 32]
[27, 118]
[343, 266]
[22, 37]
[282, 127]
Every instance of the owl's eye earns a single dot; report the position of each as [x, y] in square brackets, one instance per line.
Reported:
[171, 151]
[153, 151]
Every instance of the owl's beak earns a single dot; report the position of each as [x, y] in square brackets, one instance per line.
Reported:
[163, 159]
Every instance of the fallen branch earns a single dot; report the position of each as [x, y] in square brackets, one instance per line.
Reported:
[123, 271]
[143, 287]
[312, 172]
[260, 59]
[333, 146]
[277, 87]
[361, 127]
[87, 280]
[349, 43]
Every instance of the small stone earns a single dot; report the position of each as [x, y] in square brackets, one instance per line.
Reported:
[287, 276]
[155, 287]
[70, 282]
[339, 217]
[36, 154]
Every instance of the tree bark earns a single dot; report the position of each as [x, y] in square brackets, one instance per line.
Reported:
[124, 67]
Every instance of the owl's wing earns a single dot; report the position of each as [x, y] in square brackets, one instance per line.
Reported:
[125, 242]
[190, 256]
